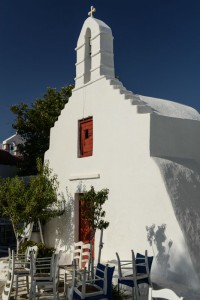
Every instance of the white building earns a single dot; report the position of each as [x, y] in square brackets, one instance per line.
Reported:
[146, 151]
[11, 144]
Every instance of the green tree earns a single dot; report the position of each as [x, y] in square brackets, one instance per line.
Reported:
[33, 124]
[25, 202]
[91, 204]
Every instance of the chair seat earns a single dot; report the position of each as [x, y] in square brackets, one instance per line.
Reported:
[43, 281]
[21, 271]
[126, 281]
[130, 276]
[64, 266]
[70, 269]
[90, 288]
[42, 277]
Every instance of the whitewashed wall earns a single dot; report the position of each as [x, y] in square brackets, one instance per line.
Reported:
[143, 190]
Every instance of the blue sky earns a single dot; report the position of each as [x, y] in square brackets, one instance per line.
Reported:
[156, 46]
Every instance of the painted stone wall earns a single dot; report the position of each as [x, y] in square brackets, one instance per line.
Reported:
[139, 195]
[149, 204]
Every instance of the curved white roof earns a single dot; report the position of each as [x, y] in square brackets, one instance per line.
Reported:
[171, 109]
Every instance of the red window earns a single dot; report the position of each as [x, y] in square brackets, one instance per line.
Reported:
[86, 137]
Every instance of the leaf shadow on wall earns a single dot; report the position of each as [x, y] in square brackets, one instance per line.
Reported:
[65, 230]
[182, 181]
[157, 238]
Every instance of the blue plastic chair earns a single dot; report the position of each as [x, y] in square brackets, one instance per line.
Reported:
[98, 288]
[134, 272]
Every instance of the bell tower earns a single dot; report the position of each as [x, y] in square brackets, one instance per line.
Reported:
[94, 52]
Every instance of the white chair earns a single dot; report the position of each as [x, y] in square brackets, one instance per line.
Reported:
[21, 271]
[44, 277]
[26, 256]
[9, 282]
[163, 294]
[133, 272]
[81, 257]
[84, 259]
[81, 254]
[100, 287]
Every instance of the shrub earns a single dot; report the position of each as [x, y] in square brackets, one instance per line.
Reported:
[43, 250]
[117, 295]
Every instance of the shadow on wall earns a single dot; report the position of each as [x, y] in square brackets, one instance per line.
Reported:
[59, 232]
[182, 181]
[65, 225]
[157, 238]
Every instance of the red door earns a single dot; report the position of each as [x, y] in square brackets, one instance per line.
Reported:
[84, 229]
[86, 137]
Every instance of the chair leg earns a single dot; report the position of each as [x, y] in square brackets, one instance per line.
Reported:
[136, 293]
[133, 293]
[16, 286]
[27, 284]
[33, 292]
[65, 282]
[55, 292]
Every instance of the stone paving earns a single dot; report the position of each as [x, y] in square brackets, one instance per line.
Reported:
[23, 294]
[188, 292]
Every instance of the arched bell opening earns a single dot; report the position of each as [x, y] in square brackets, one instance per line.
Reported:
[88, 59]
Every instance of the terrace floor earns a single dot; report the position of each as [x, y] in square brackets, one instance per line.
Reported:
[188, 292]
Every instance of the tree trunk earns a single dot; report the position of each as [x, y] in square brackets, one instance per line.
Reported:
[100, 246]
[41, 234]
[16, 236]
[91, 261]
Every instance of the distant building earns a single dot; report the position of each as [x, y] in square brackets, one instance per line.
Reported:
[11, 144]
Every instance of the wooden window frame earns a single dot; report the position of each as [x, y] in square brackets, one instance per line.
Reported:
[84, 137]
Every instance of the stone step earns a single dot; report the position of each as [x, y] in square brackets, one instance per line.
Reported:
[137, 101]
[115, 82]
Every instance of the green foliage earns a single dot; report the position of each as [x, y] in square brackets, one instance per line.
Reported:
[13, 200]
[25, 245]
[43, 195]
[43, 250]
[24, 203]
[34, 123]
[117, 295]
[91, 203]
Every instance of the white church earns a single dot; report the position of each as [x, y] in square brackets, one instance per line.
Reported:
[146, 151]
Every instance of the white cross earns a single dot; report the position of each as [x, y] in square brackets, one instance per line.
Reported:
[92, 10]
